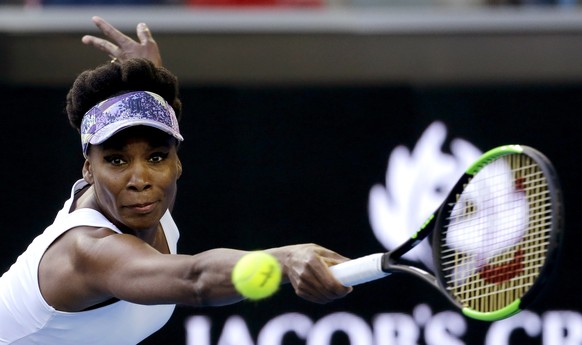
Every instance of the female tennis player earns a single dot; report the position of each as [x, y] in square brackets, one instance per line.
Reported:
[106, 271]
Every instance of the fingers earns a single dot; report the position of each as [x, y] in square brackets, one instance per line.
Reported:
[121, 47]
[100, 44]
[112, 49]
[331, 258]
[321, 287]
[144, 34]
[315, 282]
[111, 32]
[149, 47]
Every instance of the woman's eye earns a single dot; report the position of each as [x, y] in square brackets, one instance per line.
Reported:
[158, 157]
[115, 160]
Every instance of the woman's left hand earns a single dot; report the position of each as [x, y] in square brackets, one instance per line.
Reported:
[122, 47]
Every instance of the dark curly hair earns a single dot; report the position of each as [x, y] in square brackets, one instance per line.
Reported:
[112, 79]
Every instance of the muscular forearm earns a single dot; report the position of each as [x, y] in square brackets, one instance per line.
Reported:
[211, 277]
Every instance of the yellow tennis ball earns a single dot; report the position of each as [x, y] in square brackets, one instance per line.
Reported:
[257, 275]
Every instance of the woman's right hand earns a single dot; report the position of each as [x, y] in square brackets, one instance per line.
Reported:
[306, 267]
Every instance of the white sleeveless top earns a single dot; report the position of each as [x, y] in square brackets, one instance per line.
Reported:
[26, 318]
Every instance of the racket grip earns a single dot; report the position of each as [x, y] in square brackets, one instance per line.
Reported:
[360, 270]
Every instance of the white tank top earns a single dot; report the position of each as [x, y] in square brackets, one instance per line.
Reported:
[26, 318]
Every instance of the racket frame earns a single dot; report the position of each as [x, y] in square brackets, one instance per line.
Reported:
[379, 265]
[551, 257]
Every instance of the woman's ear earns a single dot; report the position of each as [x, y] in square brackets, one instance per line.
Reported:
[88, 172]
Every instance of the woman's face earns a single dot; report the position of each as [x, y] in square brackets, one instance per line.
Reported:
[134, 176]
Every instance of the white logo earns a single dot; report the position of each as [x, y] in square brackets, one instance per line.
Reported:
[421, 326]
[417, 182]
[495, 212]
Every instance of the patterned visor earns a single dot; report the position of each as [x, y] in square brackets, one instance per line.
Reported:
[139, 108]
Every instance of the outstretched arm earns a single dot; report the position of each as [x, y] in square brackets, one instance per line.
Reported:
[305, 267]
[122, 47]
[99, 264]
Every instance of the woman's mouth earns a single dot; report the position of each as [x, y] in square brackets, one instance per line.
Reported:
[142, 207]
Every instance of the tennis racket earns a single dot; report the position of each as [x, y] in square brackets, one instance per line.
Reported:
[495, 237]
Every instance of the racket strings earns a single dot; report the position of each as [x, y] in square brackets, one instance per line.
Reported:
[491, 202]
[498, 233]
[486, 291]
[532, 192]
[535, 259]
[532, 243]
[537, 224]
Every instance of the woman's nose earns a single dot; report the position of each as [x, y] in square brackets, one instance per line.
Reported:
[139, 177]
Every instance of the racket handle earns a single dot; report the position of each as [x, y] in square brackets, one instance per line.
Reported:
[360, 270]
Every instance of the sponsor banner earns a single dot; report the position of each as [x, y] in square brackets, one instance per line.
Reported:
[422, 326]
